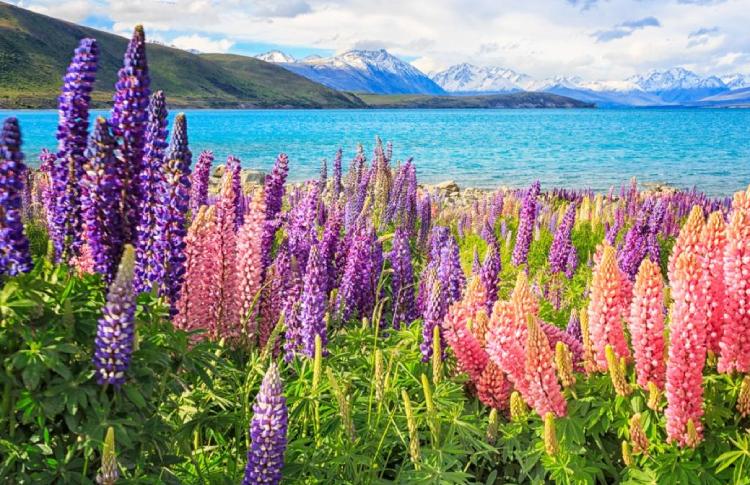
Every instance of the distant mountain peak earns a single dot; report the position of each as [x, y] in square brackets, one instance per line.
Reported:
[467, 77]
[276, 57]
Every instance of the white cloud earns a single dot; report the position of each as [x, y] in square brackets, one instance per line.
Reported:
[202, 44]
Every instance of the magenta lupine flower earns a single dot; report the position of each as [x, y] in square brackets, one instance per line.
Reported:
[150, 260]
[489, 275]
[115, 332]
[265, 458]
[234, 167]
[199, 181]
[273, 196]
[128, 120]
[72, 134]
[338, 187]
[526, 220]
[175, 201]
[101, 192]
[562, 245]
[14, 247]
[313, 305]
[402, 283]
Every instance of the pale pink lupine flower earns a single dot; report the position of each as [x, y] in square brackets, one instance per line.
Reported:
[608, 307]
[249, 262]
[226, 319]
[734, 346]
[687, 351]
[646, 325]
[506, 344]
[84, 262]
[523, 299]
[714, 241]
[544, 393]
[688, 240]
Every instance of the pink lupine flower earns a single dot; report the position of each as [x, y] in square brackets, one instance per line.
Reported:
[226, 311]
[607, 308]
[714, 241]
[84, 262]
[468, 350]
[493, 387]
[687, 350]
[506, 344]
[689, 239]
[544, 393]
[249, 262]
[734, 346]
[522, 297]
[646, 325]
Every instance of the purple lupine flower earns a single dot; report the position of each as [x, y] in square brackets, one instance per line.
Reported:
[476, 265]
[614, 229]
[562, 245]
[301, 227]
[655, 222]
[265, 458]
[634, 246]
[151, 246]
[425, 219]
[496, 208]
[175, 204]
[435, 309]
[489, 274]
[329, 246]
[115, 332]
[323, 173]
[101, 191]
[574, 327]
[410, 201]
[313, 305]
[395, 199]
[337, 185]
[450, 272]
[15, 257]
[288, 267]
[355, 205]
[572, 264]
[273, 197]
[234, 166]
[199, 181]
[555, 335]
[47, 166]
[526, 221]
[356, 295]
[402, 284]
[72, 135]
[128, 121]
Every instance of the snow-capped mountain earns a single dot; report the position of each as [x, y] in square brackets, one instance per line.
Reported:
[360, 71]
[467, 78]
[276, 57]
[678, 84]
[736, 81]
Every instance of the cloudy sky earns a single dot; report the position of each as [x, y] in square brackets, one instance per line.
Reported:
[594, 39]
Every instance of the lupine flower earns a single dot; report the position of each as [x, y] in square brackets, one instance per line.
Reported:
[506, 344]
[323, 173]
[128, 121]
[689, 239]
[638, 437]
[425, 219]
[655, 222]
[574, 327]
[175, 200]
[313, 304]
[544, 393]
[435, 309]
[646, 325]
[562, 245]
[518, 408]
[273, 195]
[467, 345]
[687, 352]
[402, 283]
[265, 458]
[301, 228]
[617, 370]
[550, 434]
[330, 246]
[714, 240]
[250, 264]
[356, 296]
[226, 317]
[607, 308]
[564, 365]
[337, 185]
[150, 261]
[635, 245]
[526, 221]
[735, 340]
[450, 271]
[108, 473]
[492, 426]
[101, 192]
[199, 180]
[15, 257]
[493, 387]
[743, 398]
[115, 332]
[234, 167]
[557, 335]
[490, 274]
[72, 133]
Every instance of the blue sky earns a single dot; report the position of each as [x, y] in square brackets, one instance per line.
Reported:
[593, 39]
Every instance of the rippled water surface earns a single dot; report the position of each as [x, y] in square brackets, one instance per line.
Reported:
[484, 148]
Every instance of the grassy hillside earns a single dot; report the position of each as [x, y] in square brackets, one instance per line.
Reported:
[35, 51]
[513, 100]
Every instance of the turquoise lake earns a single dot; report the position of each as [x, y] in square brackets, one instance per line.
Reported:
[594, 148]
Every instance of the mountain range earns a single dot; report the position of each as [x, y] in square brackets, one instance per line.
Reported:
[382, 73]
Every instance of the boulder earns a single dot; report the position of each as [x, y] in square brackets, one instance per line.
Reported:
[253, 177]
[449, 187]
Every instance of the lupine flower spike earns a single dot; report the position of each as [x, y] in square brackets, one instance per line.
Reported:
[109, 473]
[646, 325]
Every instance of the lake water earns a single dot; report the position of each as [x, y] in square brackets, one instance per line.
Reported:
[484, 148]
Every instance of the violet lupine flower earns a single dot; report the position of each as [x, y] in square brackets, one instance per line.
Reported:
[562, 245]
[425, 219]
[475, 264]
[404, 308]
[72, 134]
[175, 202]
[338, 187]
[526, 221]
[313, 305]
[572, 264]
[489, 274]
[46, 166]
[273, 196]
[151, 246]
[128, 121]
[199, 181]
[234, 167]
[301, 226]
[450, 272]
[574, 327]
[355, 205]
[435, 309]
[265, 458]
[634, 246]
[356, 296]
[329, 245]
[101, 191]
[654, 228]
[614, 229]
[14, 247]
[323, 173]
[115, 332]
